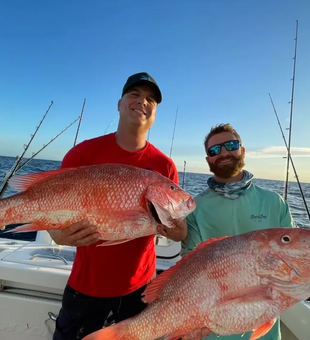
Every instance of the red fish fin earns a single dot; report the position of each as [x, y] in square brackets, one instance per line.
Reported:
[108, 333]
[113, 243]
[131, 215]
[211, 240]
[249, 294]
[27, 227]
[174, 336]
[24, 182]
[263, 329]
[197, 333]
[153, 289]
[202, 245]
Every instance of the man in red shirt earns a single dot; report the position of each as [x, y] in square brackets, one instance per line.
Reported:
[112, 279]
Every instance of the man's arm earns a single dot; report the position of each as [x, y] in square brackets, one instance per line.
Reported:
[286, 216]
[193, 235]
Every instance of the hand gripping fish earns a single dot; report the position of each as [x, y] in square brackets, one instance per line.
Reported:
[123, 201]
[230, 285]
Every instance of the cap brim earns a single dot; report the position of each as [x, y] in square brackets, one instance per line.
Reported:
[149, 84]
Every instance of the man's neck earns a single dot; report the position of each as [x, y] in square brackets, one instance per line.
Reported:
[236, 178]
[130, 140]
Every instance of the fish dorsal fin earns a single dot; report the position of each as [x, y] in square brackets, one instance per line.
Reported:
[152, 291]
[202, 245]
[24, 182]
[211, 240]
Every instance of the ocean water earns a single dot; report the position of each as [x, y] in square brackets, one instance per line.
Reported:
[193, 184]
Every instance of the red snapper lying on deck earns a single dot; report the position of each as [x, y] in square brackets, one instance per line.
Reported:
[123, 201]
[228, 286]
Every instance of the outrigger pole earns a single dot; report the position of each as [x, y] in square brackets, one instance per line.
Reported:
[45, 145]
[290, 158]
[78, 128]
[175, 122]
[109, 125]
[183, 184]
[291, 116]
[15, 167]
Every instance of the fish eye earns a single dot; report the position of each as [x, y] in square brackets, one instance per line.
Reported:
[286, 239]
[172, 187]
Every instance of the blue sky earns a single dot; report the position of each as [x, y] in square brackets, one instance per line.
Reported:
[216, 61]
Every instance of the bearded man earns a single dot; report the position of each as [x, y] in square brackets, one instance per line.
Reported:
[232, 205]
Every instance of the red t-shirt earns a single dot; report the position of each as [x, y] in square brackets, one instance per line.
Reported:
[120, 269]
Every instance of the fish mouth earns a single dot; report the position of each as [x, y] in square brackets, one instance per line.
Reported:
[153, 212]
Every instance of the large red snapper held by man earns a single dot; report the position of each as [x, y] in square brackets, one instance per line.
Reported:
[123, 201]
[229, 285]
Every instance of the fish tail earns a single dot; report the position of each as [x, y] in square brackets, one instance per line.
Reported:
[114, 332]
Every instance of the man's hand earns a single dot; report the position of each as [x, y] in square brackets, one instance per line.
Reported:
[78, 234]
[178, 233]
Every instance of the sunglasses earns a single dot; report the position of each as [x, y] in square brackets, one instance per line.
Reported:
[230, 145]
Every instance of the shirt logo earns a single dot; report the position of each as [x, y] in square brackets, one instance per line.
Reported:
[258, 218]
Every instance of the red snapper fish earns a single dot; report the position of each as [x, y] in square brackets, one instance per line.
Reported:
[229, 285]
[123, 201]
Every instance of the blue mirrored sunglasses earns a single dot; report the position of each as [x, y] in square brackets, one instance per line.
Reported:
[230, 145]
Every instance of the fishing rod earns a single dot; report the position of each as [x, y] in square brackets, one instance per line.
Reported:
[109, 125]
[148, 134]
[4, 184]
[290, 158]
[183, 184]
[45, 145]
[78, 128]
[291, 116]
[175, 122]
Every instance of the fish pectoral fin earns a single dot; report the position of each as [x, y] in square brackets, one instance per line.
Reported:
[27, 227]
[197, 334]
[113, 243]
[130, 215]
[174, 336]
[263, 329]
[249, 294]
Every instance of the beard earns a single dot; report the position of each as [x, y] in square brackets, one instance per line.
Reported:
[227, 170]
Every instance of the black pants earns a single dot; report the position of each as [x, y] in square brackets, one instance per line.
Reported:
[81, 314]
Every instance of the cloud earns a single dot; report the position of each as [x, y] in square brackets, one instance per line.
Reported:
[278, 151]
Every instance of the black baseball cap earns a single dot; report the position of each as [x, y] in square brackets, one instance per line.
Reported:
[142, 78]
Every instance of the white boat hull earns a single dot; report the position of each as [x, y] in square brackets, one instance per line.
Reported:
[27, 318]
